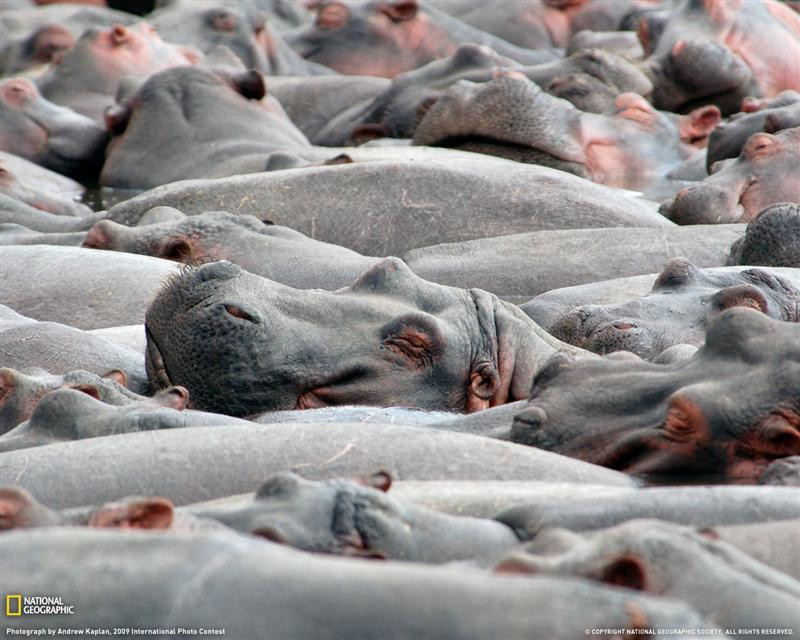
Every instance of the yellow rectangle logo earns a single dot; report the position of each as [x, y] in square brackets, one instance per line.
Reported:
[17, 611]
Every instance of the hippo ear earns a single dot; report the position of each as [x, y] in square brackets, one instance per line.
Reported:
[250, 84]
[7, 383]
[515, 563]
[743, 295]
[176, 249]
[400, 10]
[272, 533]
[696, 126]
[173, 398]
[13, 503]
[626, 571]
[414, 339]
[331, 15]
[118, 376]
[380, 480]
[779, 434]
[88, 389]
[342, 158]
[684, 421]
[484, 383]
[99, 236]
[117, 117]
[144, 513]
[677, 272]
[370, 131]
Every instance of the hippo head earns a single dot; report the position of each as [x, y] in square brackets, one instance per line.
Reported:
[764, 173]
[507, 116]
[729, 411]
[336, 516]
[772, 239]
[677, 310]
[242, 344]
[45, 133]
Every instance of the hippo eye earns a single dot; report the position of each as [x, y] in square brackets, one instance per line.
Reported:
[222, 21]
[237, 312]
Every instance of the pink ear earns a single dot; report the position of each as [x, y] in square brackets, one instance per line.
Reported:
[13, 502]
[88, 389]
[117, 376]
[174, 398]
[145, 513]
[99, 236]
[381, 480]
[117, 117]
[697, 125]
[779, 435]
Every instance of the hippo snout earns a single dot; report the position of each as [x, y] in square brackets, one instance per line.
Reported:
[702, 204]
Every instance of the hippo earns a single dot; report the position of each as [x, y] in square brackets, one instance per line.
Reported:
[387, 38]
[765, 173]
[89, 75]
[16, 212]
[696, 506]
[350, 518]
[590, 80]
[21, 392]
[432, 347]
[550, 23]
[728, 411]
[17, 234]
[71, 414]
[728, 587]
[750, 48]
[785, 471]
[59, 349]
[40, 188]
[80, 287]
[386, 207]
[226, 112]
[772, 238]
[775, 114]
[681, 304]
[52, 136]
[549, 308]
[633, 148]
[165, 462]
[254, 578]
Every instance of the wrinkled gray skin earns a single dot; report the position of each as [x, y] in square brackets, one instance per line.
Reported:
[772, 543]
[703, 506]
[388, 207]
[186, 123]
[783, 472]
[131, 336]
[271, 251]
[166, 462]
[80, 287]
[591, 80]
[389, 339]
[13, 211]
[68, 414]
[772, 239]
[547, 308]
[40, 188]
[684, 299]
[244, 581]
[765, 173]
[725, 414]
[52, 136]
[532, 263]
[21, 392]
[729, 137]
[349, 518]
[728, 587]
[59, 349]
[511, 117]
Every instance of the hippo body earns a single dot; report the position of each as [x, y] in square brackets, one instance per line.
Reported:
[166, 462]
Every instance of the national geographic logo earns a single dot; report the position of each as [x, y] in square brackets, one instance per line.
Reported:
[19, 605]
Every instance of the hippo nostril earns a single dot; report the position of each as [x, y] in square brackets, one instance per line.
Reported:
[238, 312]
[119, 33]
[623, 325]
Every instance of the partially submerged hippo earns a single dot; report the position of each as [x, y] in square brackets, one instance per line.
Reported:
[729, 411]
[633, 148]
[243, 344]
[765, 173]
[683, 300]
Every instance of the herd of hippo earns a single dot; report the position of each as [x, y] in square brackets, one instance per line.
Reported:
[412, 319]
